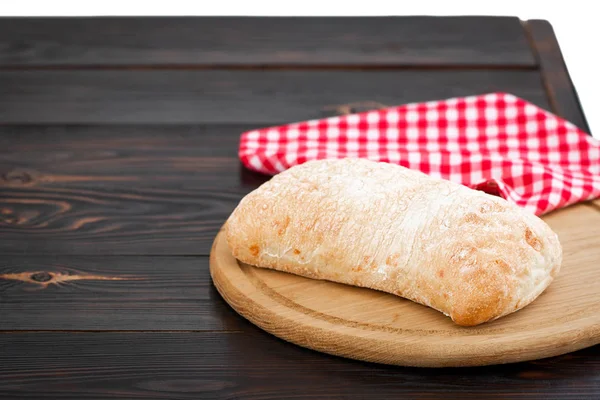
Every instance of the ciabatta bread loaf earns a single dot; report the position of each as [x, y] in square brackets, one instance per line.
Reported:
[470, 255]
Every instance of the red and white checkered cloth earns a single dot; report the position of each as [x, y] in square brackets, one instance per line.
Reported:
[495, 142]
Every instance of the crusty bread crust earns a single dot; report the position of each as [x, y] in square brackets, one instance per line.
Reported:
[470, 255]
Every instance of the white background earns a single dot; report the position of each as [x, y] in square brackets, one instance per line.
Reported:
[576, 26]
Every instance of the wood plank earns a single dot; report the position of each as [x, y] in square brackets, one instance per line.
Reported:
[113, 220]
[193, 156]
[209, 41]
[108, 149]
[254, 365]
[559, 86]
[110, 293]
[118, 189]
[234, 96]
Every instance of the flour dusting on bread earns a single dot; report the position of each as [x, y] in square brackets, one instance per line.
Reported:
[470, 255]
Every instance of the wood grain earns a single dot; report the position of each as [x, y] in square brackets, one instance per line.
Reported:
[112, 220]
[118, 189]
[49, 144]
[234, 96]
[180, 157]
[557, 81]
[234, 41]
[373, 326]
[110, 293]
[224, 366]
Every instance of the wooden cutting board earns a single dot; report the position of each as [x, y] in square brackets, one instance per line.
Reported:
[373, 326]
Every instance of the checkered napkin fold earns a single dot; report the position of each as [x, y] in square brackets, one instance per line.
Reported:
[495, 142]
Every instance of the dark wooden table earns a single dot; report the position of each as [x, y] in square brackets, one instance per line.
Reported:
[118, 142]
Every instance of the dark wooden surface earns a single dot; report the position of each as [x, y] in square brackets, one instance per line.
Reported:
[253, 365]
[114, 293]
[282, 41]
[559, 87]
[118, 189]
[118, 165]
[226, 96]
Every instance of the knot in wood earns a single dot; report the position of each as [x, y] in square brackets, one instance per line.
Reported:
[6, 216]
[19, 177]
[41, 277]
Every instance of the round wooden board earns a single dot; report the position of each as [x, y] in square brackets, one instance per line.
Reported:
[368, 325]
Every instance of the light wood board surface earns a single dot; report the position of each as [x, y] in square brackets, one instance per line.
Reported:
[373, 326]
